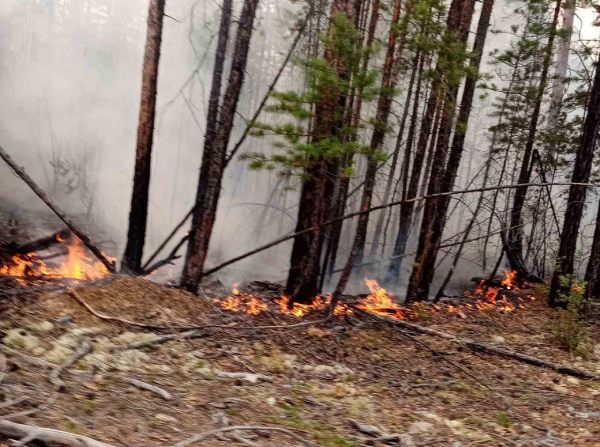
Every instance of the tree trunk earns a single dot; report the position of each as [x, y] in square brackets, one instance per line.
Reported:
[138, 214]
[577, 195]
[396, 155]
[459, 11]
[334, 233]
[592, 274]
[390, 75]
[213, 159]
[303, 277]
[514, 240]
[562, 64]
[434, 215]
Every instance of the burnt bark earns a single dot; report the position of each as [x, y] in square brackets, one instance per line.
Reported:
[440, 96]
[138, 213]
[592, 274]
[577, 195]
[389, 81]
[434, 214]
[514, 239]
[303, 278]
[215, 151]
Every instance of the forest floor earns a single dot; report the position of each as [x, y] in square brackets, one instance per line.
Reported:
[328, 384]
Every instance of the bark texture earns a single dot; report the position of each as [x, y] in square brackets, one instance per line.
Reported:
[215, 152]
[442, 180]
[315, 198]
[514, 239]
[138, 214]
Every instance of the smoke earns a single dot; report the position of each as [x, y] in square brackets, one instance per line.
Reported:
[70, 79]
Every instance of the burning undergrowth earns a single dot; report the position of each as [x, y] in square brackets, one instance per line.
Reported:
[504, 295]
[58, 258]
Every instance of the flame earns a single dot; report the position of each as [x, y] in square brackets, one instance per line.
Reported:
[76, 265]
[380, 302]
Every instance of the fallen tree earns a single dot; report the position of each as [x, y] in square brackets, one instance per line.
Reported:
[56, 210]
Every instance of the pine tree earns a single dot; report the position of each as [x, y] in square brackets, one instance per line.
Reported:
[215, 150]
[582, 171]
[138, 214]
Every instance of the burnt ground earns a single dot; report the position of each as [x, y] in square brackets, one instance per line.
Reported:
[313, 379]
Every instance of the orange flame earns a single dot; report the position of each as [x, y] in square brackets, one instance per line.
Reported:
[76, 265]
[380, 302]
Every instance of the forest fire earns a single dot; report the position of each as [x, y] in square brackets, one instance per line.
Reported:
[76, 264]
[502, 296]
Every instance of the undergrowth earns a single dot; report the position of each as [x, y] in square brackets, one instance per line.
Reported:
[569, 329]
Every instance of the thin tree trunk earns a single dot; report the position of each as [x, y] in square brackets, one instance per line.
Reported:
[138, 213]
[334, 233]
[459, 11]
[514, 240]
[303, 278]
[389, 81]
[577, 195]
[562, 64]
[213, 160]
[442, 179]
[396, 154]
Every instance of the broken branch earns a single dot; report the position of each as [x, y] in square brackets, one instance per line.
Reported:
[54, 377]
[381, 207]
[149, 387]
[48, 435]
[56, 210]
[202, 436]
[491, 349]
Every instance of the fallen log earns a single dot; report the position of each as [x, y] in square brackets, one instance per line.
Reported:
[56, 210]
[478, 346]
[47, 435]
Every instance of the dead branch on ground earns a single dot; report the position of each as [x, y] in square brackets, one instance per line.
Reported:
[47, 435]
[202, 436]
[149, 387]
[194, 333]
[56, 210]
[84, 349]
[478, 346]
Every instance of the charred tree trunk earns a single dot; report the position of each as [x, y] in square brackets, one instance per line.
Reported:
[577, 195]
[441, 96]
[303, 277]
[354, 114]
[389, 80]
[592, 274]
[434, 215]
[514, 239]
[213, 158]
[138, 213]
[396, 155]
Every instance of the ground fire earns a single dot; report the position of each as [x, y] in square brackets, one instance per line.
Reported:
[504, 295]
[72, 262]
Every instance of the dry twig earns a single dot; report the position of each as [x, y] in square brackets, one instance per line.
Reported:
[149, 387]
[202, 436]
[58, 370]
